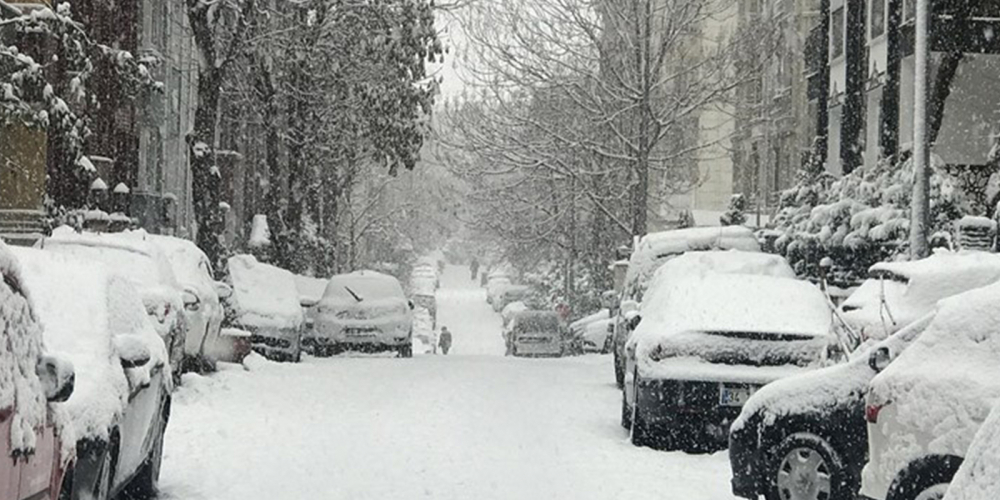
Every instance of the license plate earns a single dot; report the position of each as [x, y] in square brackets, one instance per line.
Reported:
[359, 332]
[735, 395]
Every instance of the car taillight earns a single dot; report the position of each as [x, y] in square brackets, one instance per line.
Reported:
[871, 413]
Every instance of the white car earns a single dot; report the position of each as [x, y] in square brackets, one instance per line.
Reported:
[363, 311]
[265, 303]
[924, 409]
[536, 333]
[594, 331]
[203, 311]
[897, 293]
[706, 343]
[121, 402]
[144, 264]
[979, 476]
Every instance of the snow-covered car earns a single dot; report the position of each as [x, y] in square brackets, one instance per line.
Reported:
[804, 436]
[821, 414]
[121, 403]
[536, 333]
[508, 294]
[652, 251]
[495, 283]
[265, 303]
[142, 262]
[363, 311]
[203, 311]
[33, 458]
[706, 343]
[978, 478]
[310, 293]
[897, 293]
[424, 276]
[594, 331]
[510, 310]
[924, 409]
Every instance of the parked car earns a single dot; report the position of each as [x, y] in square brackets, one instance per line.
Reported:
[925, 408]
[425, 275]
[310, 293]
[121, 404]
[979, 476]
[204, 344]
[594, 331]
[820, 414]
[706, 343]
[364, 311]
[495, 283]
[265, 303]
[508, 294]
[32, 460]
[652, 251]
[144, 264]
[897, 293]
[536, 333]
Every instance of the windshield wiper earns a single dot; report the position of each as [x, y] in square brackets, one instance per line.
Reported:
[356, 296]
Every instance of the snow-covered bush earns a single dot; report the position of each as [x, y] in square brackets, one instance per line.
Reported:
[859, 219]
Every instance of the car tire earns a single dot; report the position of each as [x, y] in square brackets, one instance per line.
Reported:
[619, 372]
[406, 351]
[921, 479]
[626, 419]
[803, 456]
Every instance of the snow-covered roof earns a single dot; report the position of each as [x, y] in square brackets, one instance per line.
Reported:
[83, 306]
[911, 289]
[20, 348]
[732, 303]
[129, 253]
[697, 264]
[979, 476]
[310, 289]
[948, 380]
[369, 286]
[264, 296]
[655, 248]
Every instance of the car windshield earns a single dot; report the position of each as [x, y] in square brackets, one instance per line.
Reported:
[363, 289]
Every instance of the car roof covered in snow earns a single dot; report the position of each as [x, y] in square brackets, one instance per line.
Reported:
[912, 288]
[310, 289]
[185, 257]
[370, 287]
[654, 248]
[83, 307]
[264, 296]
[952, 368]
[129, 253]
[697, 264]
[735, 303]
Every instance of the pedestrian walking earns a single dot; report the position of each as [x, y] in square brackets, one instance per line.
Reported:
[474, 268]
[444, 340]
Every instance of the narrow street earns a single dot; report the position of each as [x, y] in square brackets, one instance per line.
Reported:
[472, 425]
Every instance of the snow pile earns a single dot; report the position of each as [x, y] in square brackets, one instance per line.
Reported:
[510, 310]
[310, 289]
[945, 384]
[264, 296]
[84, 309]
[911, 289]
[423, 331]
[260, 232]
[21, 346]
[655, 248]
[979, 476]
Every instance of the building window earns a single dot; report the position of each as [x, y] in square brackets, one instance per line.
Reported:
[878, 18]
[837, 33]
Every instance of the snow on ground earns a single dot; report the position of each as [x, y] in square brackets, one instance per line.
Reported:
[469, 425]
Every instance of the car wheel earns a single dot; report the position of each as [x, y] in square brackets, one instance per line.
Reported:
[926, 479]
[619, 372]
[626, 413]
[146, 483]
[805, 467]
[406, 351]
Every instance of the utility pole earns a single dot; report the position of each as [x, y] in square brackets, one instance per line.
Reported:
[920, 204]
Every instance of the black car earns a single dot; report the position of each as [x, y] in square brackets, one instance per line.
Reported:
[805, 437]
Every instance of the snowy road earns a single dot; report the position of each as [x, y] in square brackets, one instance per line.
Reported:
[475, 425]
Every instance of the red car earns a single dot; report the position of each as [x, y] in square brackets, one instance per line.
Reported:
[33, 461]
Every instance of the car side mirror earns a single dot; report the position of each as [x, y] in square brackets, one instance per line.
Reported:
[58, 378]
[223, 290]
[191, 300]
[132, 351]
[879, 359]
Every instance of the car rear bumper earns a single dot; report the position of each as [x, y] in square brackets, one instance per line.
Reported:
[688, 404]
[538, 349]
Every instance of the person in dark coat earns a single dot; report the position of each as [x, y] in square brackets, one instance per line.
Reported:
[444, 340]
[474, 268]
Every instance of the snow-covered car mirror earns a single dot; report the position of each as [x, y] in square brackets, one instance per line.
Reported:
[879, 359]
[57, 376]
[223, 290]
[609, 299]
[191, 300]
[132, 351]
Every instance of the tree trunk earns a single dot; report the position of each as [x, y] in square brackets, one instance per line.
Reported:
[205, 178]
[942, 89]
